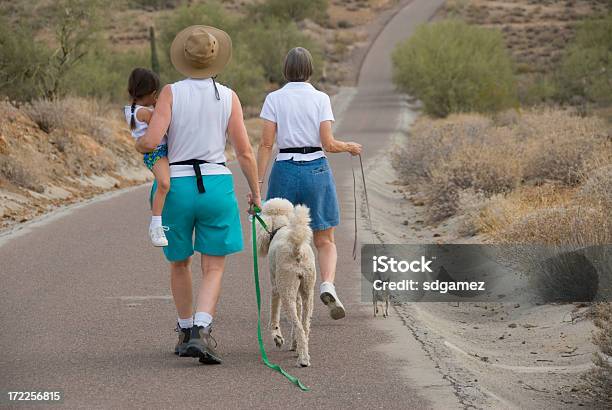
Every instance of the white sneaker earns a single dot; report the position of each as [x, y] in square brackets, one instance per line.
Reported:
[330, 298]
[158, 237]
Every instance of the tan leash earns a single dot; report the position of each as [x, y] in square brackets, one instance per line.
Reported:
[367, 201]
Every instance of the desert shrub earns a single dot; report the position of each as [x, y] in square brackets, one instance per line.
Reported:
[586, 69]
[21, 62]
[564, 252]
[603, 359]
[277, 37]
[78, 63]
[71, 114]
[598, 188]
[441, 198]
[563, 147]
[154, 4]
[572, 226]
[538, 89]
[495, 156]
[245, 76]
[103, 73]
[563, 162]
[454, 67]
[295, 10]
[463, 152]
[16, 173]
[47, 114]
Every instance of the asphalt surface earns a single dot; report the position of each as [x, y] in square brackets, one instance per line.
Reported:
[85, 305]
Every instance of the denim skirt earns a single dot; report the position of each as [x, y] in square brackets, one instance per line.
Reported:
[309, 183]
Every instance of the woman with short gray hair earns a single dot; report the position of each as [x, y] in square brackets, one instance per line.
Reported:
[299, 118]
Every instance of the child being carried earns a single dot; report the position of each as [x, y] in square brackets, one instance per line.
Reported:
[143, 87]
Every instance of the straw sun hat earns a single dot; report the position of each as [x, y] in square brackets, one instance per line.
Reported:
[201, 51]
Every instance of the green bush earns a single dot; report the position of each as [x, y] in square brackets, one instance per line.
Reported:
[295, 10]
[586, 69]
[245, 76]
[153, 4]
[272, 39]
[103, 73]
[21, 62]
[454, 67]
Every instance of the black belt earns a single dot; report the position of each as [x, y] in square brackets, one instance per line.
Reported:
[195, 163]
[300, 150]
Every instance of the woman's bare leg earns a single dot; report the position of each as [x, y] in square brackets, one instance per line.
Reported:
[180, 282]
[210, 288]
[328, 257]
[326, 254]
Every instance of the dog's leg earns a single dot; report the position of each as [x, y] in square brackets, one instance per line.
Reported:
[298, 305]
[288, 289]
[374, 302]
[307, 293]
[386, 306]
[277, 336]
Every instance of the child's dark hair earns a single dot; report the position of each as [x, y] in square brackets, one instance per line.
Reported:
[142, 82]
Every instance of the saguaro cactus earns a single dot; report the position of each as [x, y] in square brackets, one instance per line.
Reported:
[154, 59]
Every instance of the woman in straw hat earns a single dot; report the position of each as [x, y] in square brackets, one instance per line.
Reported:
[299, 118]
[201, 211]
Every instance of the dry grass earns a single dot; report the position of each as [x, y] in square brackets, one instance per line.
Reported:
[603, 358]
[17, 174]
[87, 116]
[499, 155]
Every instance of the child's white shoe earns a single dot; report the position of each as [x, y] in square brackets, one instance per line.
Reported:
[158, 237]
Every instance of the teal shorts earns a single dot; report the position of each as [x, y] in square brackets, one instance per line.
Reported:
[212, 215]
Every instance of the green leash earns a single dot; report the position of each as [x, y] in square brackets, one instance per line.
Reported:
[264, 356]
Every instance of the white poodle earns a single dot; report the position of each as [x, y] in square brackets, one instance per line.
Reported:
[292, 270]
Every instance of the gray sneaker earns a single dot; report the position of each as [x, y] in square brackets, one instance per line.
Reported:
[201, 344]
[183, 338]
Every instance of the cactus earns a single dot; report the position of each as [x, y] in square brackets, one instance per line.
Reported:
[154, 59]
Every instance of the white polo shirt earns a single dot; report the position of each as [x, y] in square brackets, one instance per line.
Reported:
[298, 109]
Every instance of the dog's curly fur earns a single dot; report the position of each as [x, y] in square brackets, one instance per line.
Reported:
[292, 270]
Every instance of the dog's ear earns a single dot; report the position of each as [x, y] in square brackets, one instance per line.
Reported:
[277, 206]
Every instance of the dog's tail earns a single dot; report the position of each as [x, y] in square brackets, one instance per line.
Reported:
[299, 227]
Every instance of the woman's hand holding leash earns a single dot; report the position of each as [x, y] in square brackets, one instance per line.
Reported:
[254, 201]
[353, 148]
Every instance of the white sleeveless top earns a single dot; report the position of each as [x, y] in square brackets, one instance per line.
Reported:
[198, 126]
[141, 126]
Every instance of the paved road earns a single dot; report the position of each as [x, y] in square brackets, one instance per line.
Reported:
[85, 306]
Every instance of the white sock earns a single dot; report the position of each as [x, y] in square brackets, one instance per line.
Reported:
[323, 285]
[185, 323]
[155, 221]
[202, 319]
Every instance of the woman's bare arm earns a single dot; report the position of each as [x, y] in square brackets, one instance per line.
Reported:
[264, 152]
[330, 144]
[159, 122]
[244, 151]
